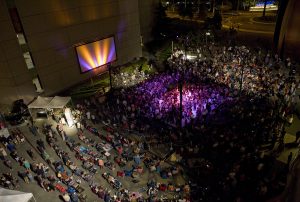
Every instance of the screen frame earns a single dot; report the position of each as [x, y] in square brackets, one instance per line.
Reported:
[92, 41]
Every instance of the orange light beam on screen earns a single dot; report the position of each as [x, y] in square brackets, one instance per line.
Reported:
[102, 52]
[98, 52]
[106, 50]
[84, 51]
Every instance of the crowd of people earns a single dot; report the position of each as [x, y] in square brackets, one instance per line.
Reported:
[233, 102]
[254, 72]
[95, 152]
[128, 79]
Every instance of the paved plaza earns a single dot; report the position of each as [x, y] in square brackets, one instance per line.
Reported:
[41, 195]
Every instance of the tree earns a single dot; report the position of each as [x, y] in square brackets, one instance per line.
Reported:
[217, 19]
[160, 20]
[186, 9]
[264, 12]
[236, 3]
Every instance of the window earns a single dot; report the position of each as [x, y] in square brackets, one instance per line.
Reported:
[21, 39]
[36, 82]
[28, 60]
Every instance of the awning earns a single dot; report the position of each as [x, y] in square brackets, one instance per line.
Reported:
[49, 102]
[59, 102]
[4, 132]
[7, 195]
[40, 103]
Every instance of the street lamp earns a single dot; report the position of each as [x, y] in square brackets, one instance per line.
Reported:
[206, 35]
[110, 79]
[241, 80]
[180, 85]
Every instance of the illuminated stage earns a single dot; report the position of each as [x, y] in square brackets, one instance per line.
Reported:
[158, 100]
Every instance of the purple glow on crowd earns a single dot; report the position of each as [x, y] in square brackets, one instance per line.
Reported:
[159, 97]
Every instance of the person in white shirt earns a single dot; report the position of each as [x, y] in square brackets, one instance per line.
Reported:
[88, 115]
[66, 197]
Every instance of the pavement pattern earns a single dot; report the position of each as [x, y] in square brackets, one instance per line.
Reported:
[41, 195]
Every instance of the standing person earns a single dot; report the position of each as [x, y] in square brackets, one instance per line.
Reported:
[64, 135]
[289, 160]
[93, 118]
[88, 115]
[3, 154]
[78, 126]
[30, 176]
[7, 162]
[59, 128]
[11, 147]
[63, 121]
[31, 154]
[41, 144]
[33, 129]
[297, 136]
[31, 120]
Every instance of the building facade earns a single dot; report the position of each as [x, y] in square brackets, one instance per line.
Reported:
[287, 31]
[38, 40]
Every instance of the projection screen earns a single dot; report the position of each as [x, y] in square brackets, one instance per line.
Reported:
[96, 54]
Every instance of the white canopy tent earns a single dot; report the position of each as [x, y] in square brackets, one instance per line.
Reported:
[58, 102]
[5, 133]
[42, 104]
[7, 195]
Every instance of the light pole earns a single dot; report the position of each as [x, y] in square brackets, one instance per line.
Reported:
[180, 82]
[241, 80]
[173, 5]
[264, 11]
[206, 35]
[109, 71]
[180, 98]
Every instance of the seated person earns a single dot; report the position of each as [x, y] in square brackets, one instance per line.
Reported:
[20, 138]
[169, 173]
[66, 197]
[72, 166]
[162, 187]
[152, 168]
[139, 169]
[60, 168]
[175, 170]
[164, 174]
[120, 174]
[111, 179]
[15, 156]
[171, 187]
[186, 188]
[100, 163]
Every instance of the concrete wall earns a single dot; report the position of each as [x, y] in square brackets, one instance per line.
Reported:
[147, 11]
[15, 79]
[52, 29]
[289, 38]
